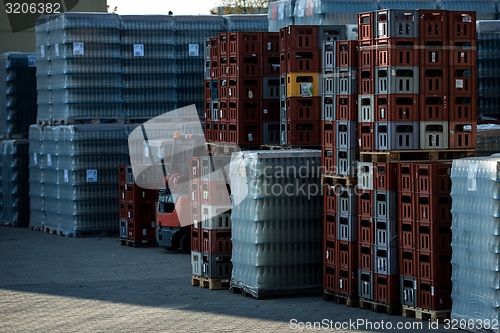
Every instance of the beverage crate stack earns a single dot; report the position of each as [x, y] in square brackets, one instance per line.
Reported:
[137, 210]
[488, 55]
[280, 14]
[211, 245]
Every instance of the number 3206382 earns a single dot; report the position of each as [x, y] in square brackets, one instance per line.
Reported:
[32, 8]
[464, 324]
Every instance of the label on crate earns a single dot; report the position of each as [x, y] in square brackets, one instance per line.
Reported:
[56, 49]
[138, 50]
[432, 291]
[78, 49]
[42, 51]
[269, 46]
[433, 57]
[91, 176]
[66, 176]
[146, 151]
[250, 137]
[35, 159]
[471, 177]
[306, 89]
[250, 94]
[195, 222]
[152, 224]
[327, 255]
[459, 84]
[340, 284]
[382, 113]
[265, 111]
[49, 160]
[466, 18]
[144, 232]
[462, 54]
[381, 29]
[193, 50]
[32, 60]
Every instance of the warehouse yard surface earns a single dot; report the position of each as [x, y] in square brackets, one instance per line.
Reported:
[51, 283]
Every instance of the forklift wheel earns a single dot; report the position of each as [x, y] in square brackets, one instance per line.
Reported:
[186, 243]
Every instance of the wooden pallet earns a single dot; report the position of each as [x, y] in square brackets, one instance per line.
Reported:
[138, 243]
[73, 121]
[377, 306]
[212, 284]
[338, 180]
[425, 314]
[349, 300]
[414, 155]
[262, 294]
[44, 122]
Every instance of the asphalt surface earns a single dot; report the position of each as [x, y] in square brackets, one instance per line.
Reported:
[51, 283]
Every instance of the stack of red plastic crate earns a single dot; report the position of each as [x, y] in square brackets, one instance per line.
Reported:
[244, 91]
[211, 231]
[425, 234]
[299, 86]
[137, 210]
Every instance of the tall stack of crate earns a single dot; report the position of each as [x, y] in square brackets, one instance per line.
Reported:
[137, 210]
[211, 245]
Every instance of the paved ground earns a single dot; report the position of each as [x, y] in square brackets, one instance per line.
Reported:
[51, 283]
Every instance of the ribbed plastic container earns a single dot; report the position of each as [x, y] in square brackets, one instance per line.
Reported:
[281, 14]
[409, 5]
[246, 22]
[331, 12]
[276, 221]
[485, 9]
[488, 57]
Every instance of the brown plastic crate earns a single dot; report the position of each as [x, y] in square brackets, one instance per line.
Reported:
[303, 133]
[366, 25]
[271, 43]
[270, 65]
[300, 37]
[328, 160]
[462, 53]
[462, 25]
[406, 209]
[195, 239]
[209, 136]
[396, 52]
[138, 195]
[347, 108]
[222, 44]
[214, 49]
[385, 176]
[407, 262]
[434, 265]
[246, 110]
[222, 68]
[433, 178]
[463, 81]
[143, 212]
[365, 256]
[330, 251]
[434, 80]
[245, 133]
[270, 110]
[122, 174]
[396, 107]
[348, 284]
[244, 88]
[365, 230]
[330, 279]
[366, 54]
[462, 108]
[366, 85]
[433, 24]
[347, 254]
[347, 53]
[245, 66]
[141, 230]
[433, 208]
[463, 135]
[434, 52]
[433, 237]
[245, 42]
[407, 235]
[302, 61]
[386, 288]
[216, 241]
[221, 131]
[122, 192]
[303, 109]
[330, 227]
[433, 107]
[366, 135]
[365, 204]
[434, 295]
[215, 193]
[328, 136]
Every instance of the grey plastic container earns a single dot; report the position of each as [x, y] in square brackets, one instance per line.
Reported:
[386, 232]
[270, 132]
[397, 80]
[347, 81]
[346, 134]
[216, 266]
[329, 55]
[365, 284]
[346, 161]
[365, 175]
[366, 111]
[346, 227]
[271, 88]
[394, 23]
[434, 135]
[397, 136]
[385, 203]
[386, 260]
[328, 107]
[408, 294]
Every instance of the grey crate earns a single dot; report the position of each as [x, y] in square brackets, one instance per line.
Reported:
[397, 136]
[346, 81]
[385, 204]
[386, 260]
[366, 112]
[270, 132]
[347, 201]
[214, 168]
[408, 291]
[328, 107]
[346, 161]
[283, 87]
[365, 284]
[365, 175]
[346, 132]
[123, 229]
[328, 84]
[216, 266]
[196, 260]
[215, 217]
[434, 134]
[215, 110]
[329, 55]
[207, 70]
[386, 232]
[397, 80]
[331, 33]
[346, 227]
[395, 23]
[271, 88]
[283, 110]
[283, 136]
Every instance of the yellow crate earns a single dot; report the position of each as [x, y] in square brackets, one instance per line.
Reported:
[302, 85]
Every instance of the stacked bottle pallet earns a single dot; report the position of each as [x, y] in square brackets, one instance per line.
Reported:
[211, 245]
[276, 227]
[137, 210]
[246, 22]
[43, 77]
[241, 93]
[36, 178]
[280, 14]
[488, 54]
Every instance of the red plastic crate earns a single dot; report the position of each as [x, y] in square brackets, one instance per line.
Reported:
[245, 42]
[434, 80]
[366, 55]
[348, 284]
[328, 136]
[209, 135]
[433, 24]
[270, 110]
[366, 136]
[433, 178]
[347, 254]
[347, 53]
[366, 23]
[386, 288]
[434, 295]
[195, 168]
[330, 227]
[330, 251]
[366, 84]
[462, 53]
[222, 44]
[208, 111]
[303, 133]
[462, 25]
[300, 37]
[143, 212]
[196, 215]
[347, 108]
[195, 239]
[385, 176]
[365, 230]
[222, 68]
[462, 108]
[328, 160]
[245, 133]
[221, 131]
[122, 174]
[434, 52]
[303, 109]
[330, 200]
[271, 43]
[407, 235]
[216, 241]
[214, 49]
[302, 61]
[397, 107]
[208, 91]
[433, 208]
[365, 204]
[463, 135]
[283, 63]
[244, 89]
[365, 256]
[141, 230]
[396, 52]
[433, 107]
[406, 209]
[245, 66]
[246, 110]
[407, 262]
[215, 193]
[122, 192]
[433, 237]
[330, 279]
[270, 65]
[138, 195]
[463, 81]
